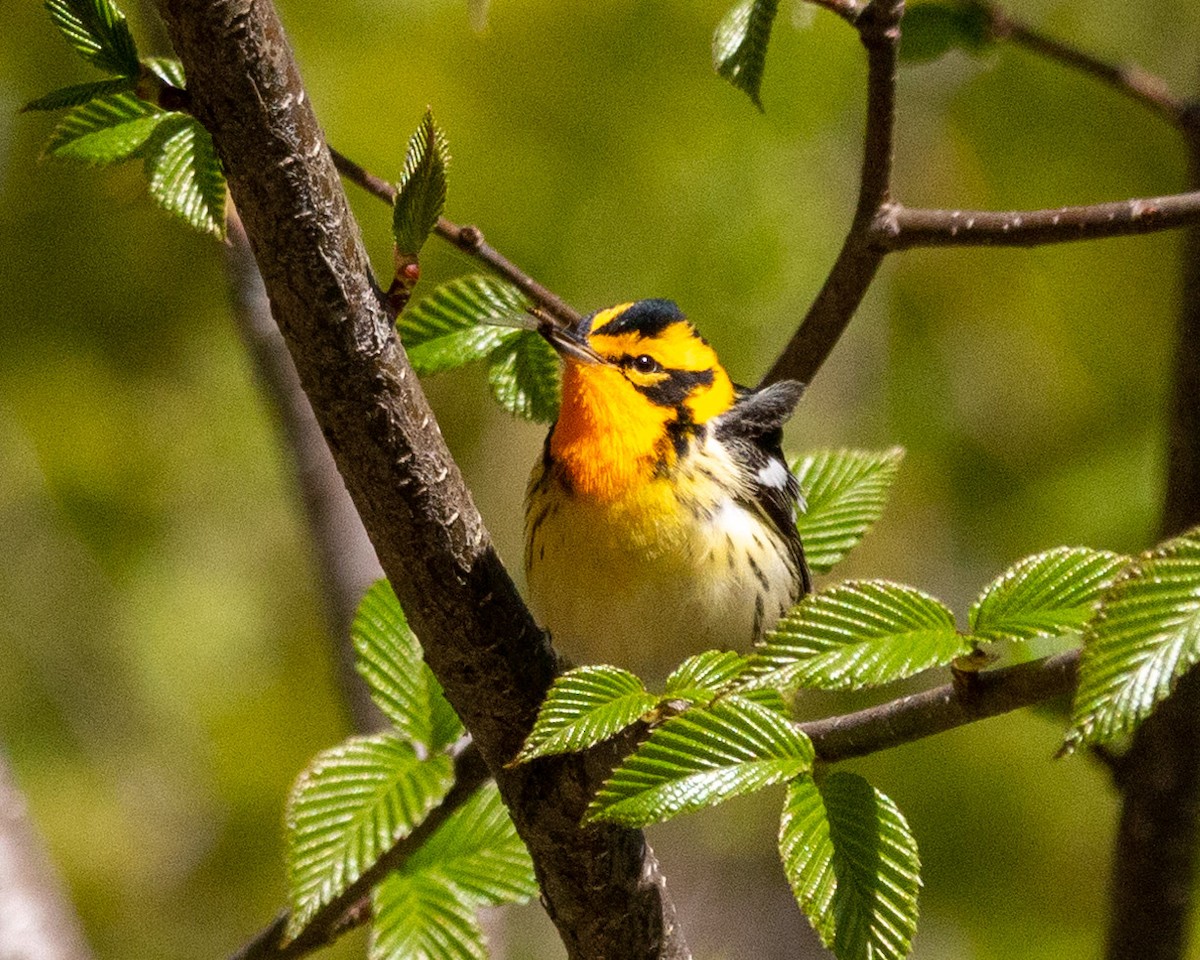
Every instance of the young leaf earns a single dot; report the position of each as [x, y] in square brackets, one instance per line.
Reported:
[350, 805]
[168, 70]
[705, 673]
[845, 491]
[858, 634]
[421, 193]
[419, 917]
[402, 686]
[932, 29]
[456, 324]
[853, 865]
[78, 94]
[98, 32]
[700, 758]
[107, 129]
[740, 45]
[478, 853]
[185, 175]
[427, 907]
[1145, 636]
[584, 707]
[523, 373]
[1044, 595]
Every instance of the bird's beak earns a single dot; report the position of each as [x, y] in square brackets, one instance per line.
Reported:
[567, 343]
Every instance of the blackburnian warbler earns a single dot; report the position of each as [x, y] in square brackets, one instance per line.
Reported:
[661, 516]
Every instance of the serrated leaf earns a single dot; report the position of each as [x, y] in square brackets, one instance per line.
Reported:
[853, 865]
[932, 29]
[107, 129]
[858, 634]
[584, 707]
[418, 917]
[353, 803]
[184, 174]
[523, 372]
[458, 323]
[1144, 637]
[478, 853]
[421, 193]
[740, 45]
[167, 69]
[845, 492]
[78, 94]
[1044, 595]
[402, 685]
[98, 32]
[700, 758]
[705, 673]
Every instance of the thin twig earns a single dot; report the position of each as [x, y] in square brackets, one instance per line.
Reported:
[469, 239]
[1131, 80]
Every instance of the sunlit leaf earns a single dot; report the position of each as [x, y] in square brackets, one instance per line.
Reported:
[477, 851]
[421, 193]
[700, 758]
[933, 28]
[457, 323]
[858, 634]
[401, 684]
[585, 706]
[853, 865]
[1144, 637]
[78, 94]
[107, 129]
[185, 175]
[739, 47]
[353, 803]
[845, 492]
[705, 673]
[167, 69]
[523, 373]
[1044, 595]
[419, 917]
[98, 32]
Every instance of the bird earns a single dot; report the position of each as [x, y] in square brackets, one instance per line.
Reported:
[660, 519]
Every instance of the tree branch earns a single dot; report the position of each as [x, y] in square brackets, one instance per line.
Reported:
[601, 886]
[468, 239]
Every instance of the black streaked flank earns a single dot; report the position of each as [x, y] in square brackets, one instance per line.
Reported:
[646, 317]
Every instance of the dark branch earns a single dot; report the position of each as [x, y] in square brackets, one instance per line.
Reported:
[602, 887]
[468, 239]
[878, 27]
[901, 228]
[985, 694]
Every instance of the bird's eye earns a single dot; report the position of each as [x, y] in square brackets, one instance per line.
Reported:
[644, 363]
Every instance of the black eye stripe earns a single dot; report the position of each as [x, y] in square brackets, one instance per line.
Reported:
[676, 387]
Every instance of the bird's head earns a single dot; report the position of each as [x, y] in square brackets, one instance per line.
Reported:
[638, 379]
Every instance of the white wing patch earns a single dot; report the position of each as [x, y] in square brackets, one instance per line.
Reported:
[773, 474]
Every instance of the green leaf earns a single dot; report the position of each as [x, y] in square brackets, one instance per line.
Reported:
[427, 907]
[584, 707]
[523, 372]
[1145, 636]
[167, 69]
[78, 94]
[853, 865]
[457, 323]
[701, 677]
[931, 30]
[107, 129]
[98, 32]
[421, 918]
[700, 758]
[184, 174]
[353, 803]
[845, 491]
[478, 853]
[402, 686]
[739, 48]
[1045, 595]
[858, 634]
[421, 193]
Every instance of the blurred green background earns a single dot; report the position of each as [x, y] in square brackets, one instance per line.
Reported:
[164, 668]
